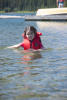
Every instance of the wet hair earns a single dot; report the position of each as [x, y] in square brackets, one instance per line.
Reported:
[30, 28]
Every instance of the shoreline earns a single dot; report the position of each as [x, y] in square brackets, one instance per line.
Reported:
[18, 12]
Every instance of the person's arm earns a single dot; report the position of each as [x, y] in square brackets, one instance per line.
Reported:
[57, 2]
[15, 46]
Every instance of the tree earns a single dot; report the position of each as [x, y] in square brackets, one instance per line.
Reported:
[28, 5]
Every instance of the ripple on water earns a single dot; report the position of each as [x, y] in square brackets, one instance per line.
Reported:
[33, 75]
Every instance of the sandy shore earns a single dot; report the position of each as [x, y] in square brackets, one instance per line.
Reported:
[8, 16]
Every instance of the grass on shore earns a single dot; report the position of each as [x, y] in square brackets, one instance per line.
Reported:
[2, 11]
[24, 11]
[18, 12]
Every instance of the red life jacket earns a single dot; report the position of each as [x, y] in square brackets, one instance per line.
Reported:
[34, 44]
[61, 0]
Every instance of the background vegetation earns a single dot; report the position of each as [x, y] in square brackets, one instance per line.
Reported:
[26, 5]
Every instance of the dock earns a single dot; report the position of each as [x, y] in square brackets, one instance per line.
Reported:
[47, 18]
[50, 14]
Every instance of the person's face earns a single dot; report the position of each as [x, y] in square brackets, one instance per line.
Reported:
[30, 35]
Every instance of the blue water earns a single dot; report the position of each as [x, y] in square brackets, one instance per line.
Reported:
[33, 75]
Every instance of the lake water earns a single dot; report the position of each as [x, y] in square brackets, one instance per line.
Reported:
[33, 75]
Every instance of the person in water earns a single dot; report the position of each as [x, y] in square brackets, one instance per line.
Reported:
[60, 3]
[32, 39]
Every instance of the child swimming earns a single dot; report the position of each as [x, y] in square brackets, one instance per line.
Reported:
[31, 39]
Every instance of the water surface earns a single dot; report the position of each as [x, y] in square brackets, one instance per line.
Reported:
[33, 75]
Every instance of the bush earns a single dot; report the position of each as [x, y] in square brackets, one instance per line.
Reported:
[15, 9]
[7, 10]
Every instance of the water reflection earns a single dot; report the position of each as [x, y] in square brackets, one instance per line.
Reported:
[28, 56]
[51, 25]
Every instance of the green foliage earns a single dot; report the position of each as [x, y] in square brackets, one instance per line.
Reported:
[7, 9]
[26, 5]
